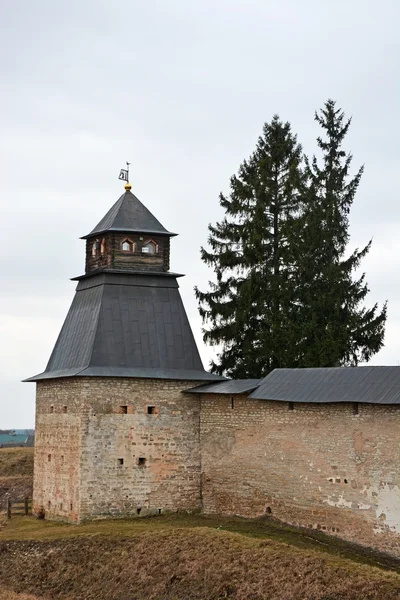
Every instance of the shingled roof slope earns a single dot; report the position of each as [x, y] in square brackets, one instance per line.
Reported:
[127, 326]
[130, 215]
[232, 386]
[373, 385]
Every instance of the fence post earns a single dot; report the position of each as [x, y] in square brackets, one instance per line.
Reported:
[8, 508]
[26, 505]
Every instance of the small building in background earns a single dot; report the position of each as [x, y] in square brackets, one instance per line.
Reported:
[13, 440]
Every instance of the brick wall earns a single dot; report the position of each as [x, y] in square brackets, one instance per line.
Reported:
[101, 451]
[167, 441]
[58, 448]
[319, 466]
[101, 445]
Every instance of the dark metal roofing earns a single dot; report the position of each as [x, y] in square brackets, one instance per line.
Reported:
[125, 271]
[233, 386]
[126, 326]
[130, 215]
[374, 385]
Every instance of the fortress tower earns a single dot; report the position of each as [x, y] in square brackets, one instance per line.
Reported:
[114, 433]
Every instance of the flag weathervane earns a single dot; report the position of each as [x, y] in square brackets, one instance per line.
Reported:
[124, 176]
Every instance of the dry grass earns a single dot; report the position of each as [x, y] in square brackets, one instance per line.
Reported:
[189, 564]
[180, 557]
[10, 595]
[21, 528]
[16, 462]
[16, 474]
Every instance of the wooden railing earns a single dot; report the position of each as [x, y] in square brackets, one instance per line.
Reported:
[19, 507]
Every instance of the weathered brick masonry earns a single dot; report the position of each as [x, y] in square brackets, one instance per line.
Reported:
[58, 448]
[122, 446]
[118, 446]
[319, 466]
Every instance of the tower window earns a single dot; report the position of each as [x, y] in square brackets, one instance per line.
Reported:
[149, 248]
[127, 246]
[95, 248]
[121, 461]
[151, 410]
[123, 410]
[141, 461]
[103, 247]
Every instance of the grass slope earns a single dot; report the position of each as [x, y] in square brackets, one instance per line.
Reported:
[16, 474]
[16, 461]
[179, 557]
[184, 558]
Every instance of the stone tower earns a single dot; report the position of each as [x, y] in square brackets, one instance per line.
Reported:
[114, 433]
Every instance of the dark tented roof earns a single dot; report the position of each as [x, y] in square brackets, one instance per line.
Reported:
[130, 215]
[374, 385]
[126, 326]
[233, 386]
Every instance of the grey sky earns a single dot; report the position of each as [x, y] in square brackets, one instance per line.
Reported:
[181, 89]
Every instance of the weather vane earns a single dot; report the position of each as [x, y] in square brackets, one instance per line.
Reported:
[124, 176]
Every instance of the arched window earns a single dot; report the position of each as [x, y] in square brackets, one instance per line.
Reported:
[127, 246]
[150, 248]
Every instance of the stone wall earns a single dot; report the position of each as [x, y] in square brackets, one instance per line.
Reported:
[58, 448]
[140, 450]
[120, 447]
[332, 467]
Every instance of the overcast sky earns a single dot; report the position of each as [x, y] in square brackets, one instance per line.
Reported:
[181, 89]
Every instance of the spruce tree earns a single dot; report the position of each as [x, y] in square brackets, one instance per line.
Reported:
[248, 308]
[333, 326]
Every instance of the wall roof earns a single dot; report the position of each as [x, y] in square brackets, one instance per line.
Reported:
[233, 386]
[374, 385]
